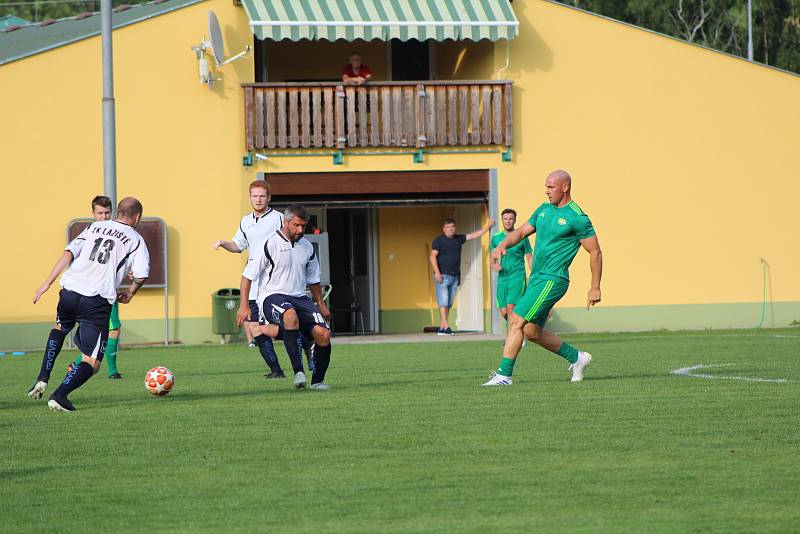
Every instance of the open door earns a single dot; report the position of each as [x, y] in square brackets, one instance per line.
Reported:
[470, 295]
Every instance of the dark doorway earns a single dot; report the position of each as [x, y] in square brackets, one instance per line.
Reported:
[350, 237]
[410, 60]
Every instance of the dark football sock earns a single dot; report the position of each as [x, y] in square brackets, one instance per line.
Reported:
[291, 342]
[322, 358]
[54, 343]
[74, 379]
[308, 347]
[267, 350]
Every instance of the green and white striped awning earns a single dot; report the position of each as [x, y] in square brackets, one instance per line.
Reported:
[382, 19]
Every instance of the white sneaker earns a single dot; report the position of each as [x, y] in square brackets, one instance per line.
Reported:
[320, 387]
[37, 390]
[300, 380]
[577, 368]
[498, 380]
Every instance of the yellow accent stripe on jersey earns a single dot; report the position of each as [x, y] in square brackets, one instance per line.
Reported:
[577, 209]
[542, 296]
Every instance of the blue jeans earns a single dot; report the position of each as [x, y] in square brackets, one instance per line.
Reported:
[446, 291]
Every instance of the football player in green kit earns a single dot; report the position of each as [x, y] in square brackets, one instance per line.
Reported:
[561, 229]
[511, 277]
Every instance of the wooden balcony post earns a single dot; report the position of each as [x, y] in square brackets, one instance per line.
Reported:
[248, 117]
[463, 134]
[269, 106]
[508, 116]
[374, 114]
[421, 117]
[341, 140]
[350, 102]
[316, 107]
[282, 137]
[330, 125]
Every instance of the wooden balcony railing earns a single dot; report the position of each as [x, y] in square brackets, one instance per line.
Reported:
[381, 114]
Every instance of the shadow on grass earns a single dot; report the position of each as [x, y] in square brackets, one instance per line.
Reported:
[25, 472]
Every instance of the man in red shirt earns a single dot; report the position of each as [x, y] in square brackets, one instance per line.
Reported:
[356, 73]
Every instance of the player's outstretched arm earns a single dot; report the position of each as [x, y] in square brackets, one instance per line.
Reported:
[477, 233]
[592, 246]
[61, 264]
[230, 246]
[316, 294]
[244, 307]
[511, 239]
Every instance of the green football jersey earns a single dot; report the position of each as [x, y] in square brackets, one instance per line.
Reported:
[513, 263]
[558, 235]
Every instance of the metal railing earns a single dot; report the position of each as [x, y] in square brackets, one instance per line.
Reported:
[381, 114]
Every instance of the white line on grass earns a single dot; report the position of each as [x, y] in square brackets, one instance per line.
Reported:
[687, 371]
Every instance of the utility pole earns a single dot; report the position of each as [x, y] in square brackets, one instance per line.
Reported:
[109, 120]
[750, 30]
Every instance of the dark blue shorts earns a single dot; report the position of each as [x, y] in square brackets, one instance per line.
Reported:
[275, 305]
[92, 315]
[253, 311]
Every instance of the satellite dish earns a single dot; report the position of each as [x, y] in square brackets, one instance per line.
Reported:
[217, 46]
[217, 50]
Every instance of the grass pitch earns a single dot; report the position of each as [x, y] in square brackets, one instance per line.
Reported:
[408, 441]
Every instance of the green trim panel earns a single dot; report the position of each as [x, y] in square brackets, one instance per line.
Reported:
[671, 317]
[192, 330]
[197, 330]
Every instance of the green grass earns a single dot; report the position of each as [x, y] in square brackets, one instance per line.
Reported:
[408, 441]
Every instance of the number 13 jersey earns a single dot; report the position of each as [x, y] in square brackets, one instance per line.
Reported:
[103, 255]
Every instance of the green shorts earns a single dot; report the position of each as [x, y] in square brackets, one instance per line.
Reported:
[510, 290]
[539, 299]
[113, 322]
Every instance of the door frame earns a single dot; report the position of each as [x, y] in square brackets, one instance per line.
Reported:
[372, 250]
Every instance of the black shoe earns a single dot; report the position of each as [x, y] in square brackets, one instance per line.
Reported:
[275, 374]
[448, 331]
[60, 404]
[115, 376]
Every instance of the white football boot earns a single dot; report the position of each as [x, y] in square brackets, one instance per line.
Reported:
[300, 380]
[37, 390]
[320, 386]
[498, 380]
[577, 368]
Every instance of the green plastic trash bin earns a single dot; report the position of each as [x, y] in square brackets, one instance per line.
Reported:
[224, 304]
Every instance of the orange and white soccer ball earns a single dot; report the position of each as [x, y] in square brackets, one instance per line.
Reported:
[159, 381]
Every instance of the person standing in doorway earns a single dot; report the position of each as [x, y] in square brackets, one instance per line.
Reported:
[446, 261]
[511, 278]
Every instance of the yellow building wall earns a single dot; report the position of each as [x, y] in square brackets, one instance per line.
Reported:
[684, 158]
[179, 148]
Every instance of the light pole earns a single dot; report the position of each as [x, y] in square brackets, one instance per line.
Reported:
[750, 30]
[109, 120]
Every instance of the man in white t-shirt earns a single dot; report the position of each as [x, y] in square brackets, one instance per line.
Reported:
[96, 263]
[286, 268]
[253, 230]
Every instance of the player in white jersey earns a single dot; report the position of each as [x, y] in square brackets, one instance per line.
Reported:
[253, 230]
[287, 266]
[96, 263]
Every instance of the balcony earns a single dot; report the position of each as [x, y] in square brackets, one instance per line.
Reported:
[381, 114]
